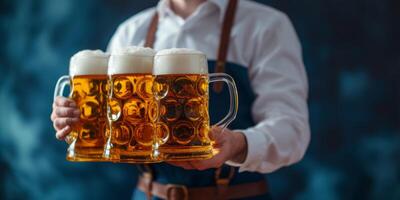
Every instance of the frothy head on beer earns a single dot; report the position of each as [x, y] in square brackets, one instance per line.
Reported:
[180, 61]
[89, 62]
[133, 59]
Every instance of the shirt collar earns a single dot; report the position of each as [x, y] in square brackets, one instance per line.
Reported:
[222, 5]
[164, 9]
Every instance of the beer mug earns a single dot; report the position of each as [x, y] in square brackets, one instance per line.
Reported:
[132, 108]
[88, 88]
[181, 85]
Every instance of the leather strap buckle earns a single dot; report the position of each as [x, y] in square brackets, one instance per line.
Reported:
[224, 181]
[148, 180]
[177, 192]
[147, 175]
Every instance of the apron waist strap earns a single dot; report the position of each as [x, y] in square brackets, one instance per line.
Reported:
[181, 192]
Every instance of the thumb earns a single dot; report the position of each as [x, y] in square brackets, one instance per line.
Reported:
[217, 134]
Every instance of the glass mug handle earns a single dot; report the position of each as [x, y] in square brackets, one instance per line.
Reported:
[59, 91]
[60, 86]
[233, 98]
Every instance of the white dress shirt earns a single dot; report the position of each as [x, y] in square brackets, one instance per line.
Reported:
[264, 41]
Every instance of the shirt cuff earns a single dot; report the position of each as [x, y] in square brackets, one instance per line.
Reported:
[256, 150]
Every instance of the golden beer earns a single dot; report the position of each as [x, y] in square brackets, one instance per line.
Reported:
[132, 108]
[87, 136]
[88, 81]
[184, 109]
[181, 85]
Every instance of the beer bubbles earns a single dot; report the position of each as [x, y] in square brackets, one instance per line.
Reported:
[181, 76]
[133, 109]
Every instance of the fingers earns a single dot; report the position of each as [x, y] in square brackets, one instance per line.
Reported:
[184, 164]
[220, 138]
[215, 133]
[71, 112]
[64, 102]
[214, 162]
[218, 135]
[64, 114]
[61, 134]
[64, 107]
[61, 123]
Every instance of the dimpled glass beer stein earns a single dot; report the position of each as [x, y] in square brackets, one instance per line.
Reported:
[181, 85]
[132, 108]
[88, 88]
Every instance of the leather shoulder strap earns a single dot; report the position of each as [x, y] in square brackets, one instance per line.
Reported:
[229, 18]
[151, 32]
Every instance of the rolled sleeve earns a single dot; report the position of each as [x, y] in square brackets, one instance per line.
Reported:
[281, 134]
[255, 145]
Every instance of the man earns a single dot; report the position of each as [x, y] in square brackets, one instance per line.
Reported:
[258, 47]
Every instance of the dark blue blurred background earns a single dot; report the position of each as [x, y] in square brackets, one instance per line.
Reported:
[352, 55]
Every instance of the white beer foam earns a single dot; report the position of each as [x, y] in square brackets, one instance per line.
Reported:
[89, 62]
[180, 61]
[133, 59]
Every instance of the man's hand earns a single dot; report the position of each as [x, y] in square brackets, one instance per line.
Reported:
[230, 146]
[64, 115]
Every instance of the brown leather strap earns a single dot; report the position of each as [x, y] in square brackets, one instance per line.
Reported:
[147, 177]
[224, 41]
[181, 192]
[222, 181]
[147, 181]
[151, 32]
